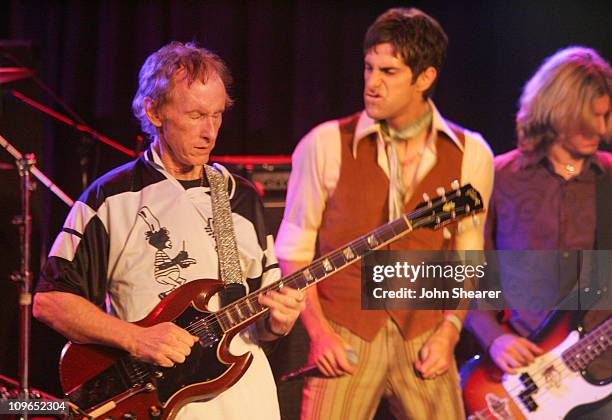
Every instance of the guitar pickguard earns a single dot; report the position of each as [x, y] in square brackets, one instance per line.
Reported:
[202, 364]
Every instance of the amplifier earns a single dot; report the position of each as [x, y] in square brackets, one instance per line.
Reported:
[270, 175]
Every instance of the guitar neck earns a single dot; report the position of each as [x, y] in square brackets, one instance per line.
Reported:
[436, 213]
[592, 345]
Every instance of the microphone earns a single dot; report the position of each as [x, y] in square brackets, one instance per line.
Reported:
[313, 371]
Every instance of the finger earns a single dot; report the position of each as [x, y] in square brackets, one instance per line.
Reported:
[513, 362]
[163, 361]
[418, 365]
[182, 335]
[286, 300]
[324, 366]
[534, 347]
[182, 348]
[515, 357]
[427, 360]
[267, 299]
[296, 295]
[175, 356]
[290, 297]
[525, 352]
[503, 365]
[332, 362]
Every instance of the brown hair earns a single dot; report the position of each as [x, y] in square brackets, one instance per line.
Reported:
[415, 36]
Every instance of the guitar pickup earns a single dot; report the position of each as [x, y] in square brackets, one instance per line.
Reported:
[528, 401]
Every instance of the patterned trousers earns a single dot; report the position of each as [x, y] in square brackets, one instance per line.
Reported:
[385, 369]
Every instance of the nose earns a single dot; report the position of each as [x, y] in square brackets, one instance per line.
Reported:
[601, 126]
[209, 128]
[372, 79]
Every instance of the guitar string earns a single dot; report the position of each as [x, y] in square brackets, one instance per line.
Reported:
[566, 368]
[592, 337]
[542, 396]
[292, 278]
[559, 362]
[251, 299]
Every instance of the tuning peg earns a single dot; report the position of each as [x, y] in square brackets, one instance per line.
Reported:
[427, 200]
[455, 185]
[475, 220]
[446, 233]
[440, 191]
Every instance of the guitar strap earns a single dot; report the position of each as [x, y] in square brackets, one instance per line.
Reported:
[225, 237]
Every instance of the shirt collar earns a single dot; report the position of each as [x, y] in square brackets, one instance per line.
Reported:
[528, 160]
[153, 158]
[366, 126]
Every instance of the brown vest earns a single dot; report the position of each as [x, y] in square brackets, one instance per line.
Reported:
[358, 205]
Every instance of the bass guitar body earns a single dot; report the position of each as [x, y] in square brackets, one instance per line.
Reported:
[550, 387]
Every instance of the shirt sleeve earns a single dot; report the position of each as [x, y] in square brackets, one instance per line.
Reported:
[314, 174]
[78, 260]
[484, 326]
[477, 169]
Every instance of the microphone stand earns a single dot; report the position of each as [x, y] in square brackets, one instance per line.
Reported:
[26, 165]
[24, 277]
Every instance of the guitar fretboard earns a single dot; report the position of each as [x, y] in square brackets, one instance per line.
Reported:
[318, 270]
[433, 213]
[578, 356]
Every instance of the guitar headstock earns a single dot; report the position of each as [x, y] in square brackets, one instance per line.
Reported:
[447, 207]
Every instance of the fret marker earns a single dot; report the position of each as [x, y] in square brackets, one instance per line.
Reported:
[240, 314]
[348, 253]
[327, 265]
[250, 305]
[308, 276]
[372, 241]
[231, 318]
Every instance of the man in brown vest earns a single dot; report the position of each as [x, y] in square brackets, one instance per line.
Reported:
[352, 175]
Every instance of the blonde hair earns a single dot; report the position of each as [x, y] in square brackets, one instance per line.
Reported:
[559, 95]
[155, 79]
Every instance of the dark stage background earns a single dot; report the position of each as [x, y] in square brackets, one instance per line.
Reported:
[295, 64]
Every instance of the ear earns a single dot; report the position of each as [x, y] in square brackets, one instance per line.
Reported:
[426, 79]
[152, 111]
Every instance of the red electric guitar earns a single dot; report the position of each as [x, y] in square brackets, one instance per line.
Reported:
[550, 387]
[106, 382]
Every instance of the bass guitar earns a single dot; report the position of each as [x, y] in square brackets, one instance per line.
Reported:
[550, 387]
[108, 383]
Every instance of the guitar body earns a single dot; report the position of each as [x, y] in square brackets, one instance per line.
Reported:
[546, 389]
[107, 382]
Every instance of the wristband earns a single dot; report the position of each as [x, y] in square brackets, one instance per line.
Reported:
[454, 319]
[269, 329]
